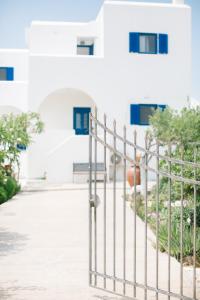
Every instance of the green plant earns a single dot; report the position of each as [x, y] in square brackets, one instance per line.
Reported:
[179, 127]
[14, 130]
[175, 240]
[11, 187]
[179, 133]
[3, 195]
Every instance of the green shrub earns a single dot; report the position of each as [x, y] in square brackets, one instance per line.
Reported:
[188, 222]
[11, 187]
[175, 240]
[3, 195]
[18, 188]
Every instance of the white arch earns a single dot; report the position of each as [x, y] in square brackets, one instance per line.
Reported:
[57, 108]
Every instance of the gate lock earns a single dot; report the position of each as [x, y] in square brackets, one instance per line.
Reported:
[94, 201]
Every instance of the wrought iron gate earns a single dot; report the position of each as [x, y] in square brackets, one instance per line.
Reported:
[126, 255]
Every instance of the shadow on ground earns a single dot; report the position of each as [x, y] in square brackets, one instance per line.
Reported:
[4, 295]
[11, 242]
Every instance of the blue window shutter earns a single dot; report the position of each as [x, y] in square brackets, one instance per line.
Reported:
[74, 118]
[135, 114]
[134, 42]
[163, 43]
[10, 74]
[162, 107]
[91, 50]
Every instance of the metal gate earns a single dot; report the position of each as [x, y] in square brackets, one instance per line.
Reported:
[134, 251]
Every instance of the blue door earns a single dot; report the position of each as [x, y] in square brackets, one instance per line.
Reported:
[81, 120]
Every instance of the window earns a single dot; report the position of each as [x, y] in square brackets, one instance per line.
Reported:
[85, 49]
[140, 113]
[148, 43]
[85, 46]
[81, 120]
[6, 74]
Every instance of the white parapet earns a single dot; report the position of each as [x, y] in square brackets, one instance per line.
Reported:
[178, 1]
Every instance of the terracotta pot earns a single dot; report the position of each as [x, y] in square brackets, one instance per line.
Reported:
[130, 176]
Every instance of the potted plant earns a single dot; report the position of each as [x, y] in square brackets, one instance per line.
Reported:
[133, 174]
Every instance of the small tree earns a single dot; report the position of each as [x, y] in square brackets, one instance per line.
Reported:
[181, 128]
[16, 130]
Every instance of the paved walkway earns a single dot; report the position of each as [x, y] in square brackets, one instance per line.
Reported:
[44, 246]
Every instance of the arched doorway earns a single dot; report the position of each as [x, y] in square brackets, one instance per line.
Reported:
[65, 113]
[58, 109]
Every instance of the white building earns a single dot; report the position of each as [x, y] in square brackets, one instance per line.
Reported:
[134, 56]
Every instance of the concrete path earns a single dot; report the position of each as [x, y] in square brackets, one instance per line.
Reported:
[44, 246]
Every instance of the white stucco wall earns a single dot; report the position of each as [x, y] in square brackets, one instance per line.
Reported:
[122, 77]
[112, 79]
[60, 38]
[147, 78]
[15, 93]
[17, 58]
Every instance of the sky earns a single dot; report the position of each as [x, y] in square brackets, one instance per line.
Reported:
[16, 15]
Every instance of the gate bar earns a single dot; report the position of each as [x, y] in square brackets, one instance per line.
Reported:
[135, 217]
[114, 207]
[181, 230]
[95, 196]
[195, 225]
[146, 212]
[169, 224]
[163, 173]
[105, 185]
[152, 153]
[90, 197]
[157, 216]
[142, 286]
[124, 216]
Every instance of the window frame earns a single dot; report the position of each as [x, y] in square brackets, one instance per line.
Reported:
[137, 107]
[156, 42]
[9, 73]
[162, 43]
[81, 111]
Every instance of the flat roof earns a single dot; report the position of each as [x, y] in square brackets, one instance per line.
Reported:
[60, 23]
[136, 3]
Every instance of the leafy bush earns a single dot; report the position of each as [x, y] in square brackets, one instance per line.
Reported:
[11, 187]
[175, 240]
[179, 133]
[15, 130]
[178, 127]
[3, 195]
[8, 189]
[188, 217]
